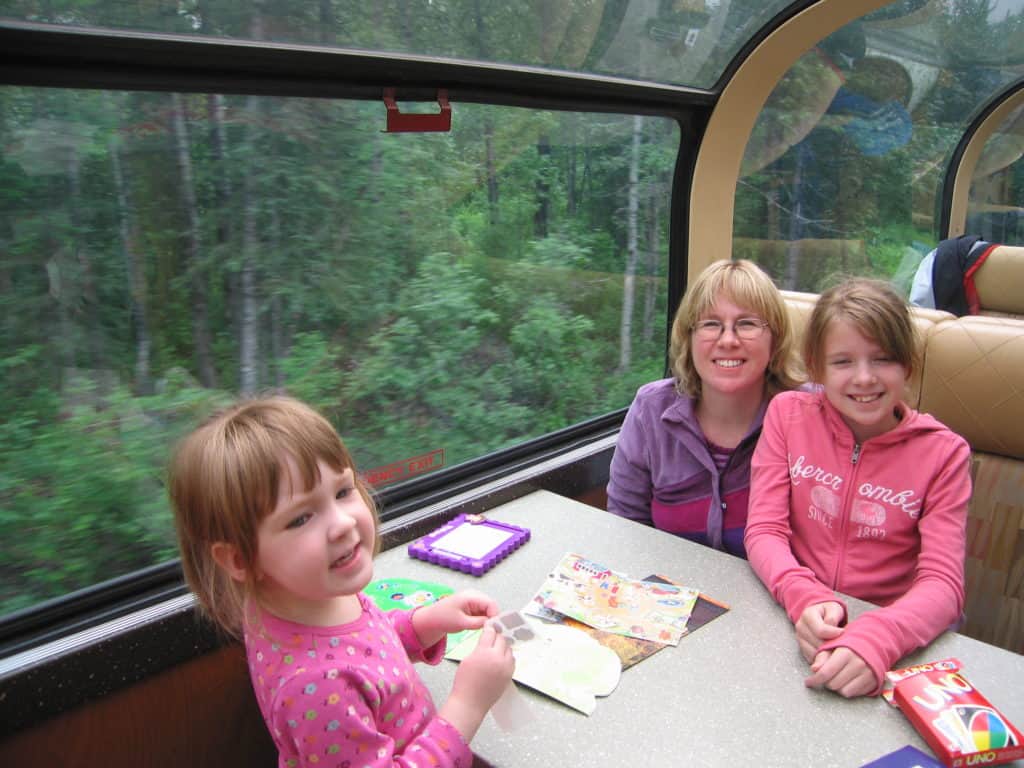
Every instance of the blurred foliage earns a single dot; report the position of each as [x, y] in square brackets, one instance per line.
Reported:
[458, 291]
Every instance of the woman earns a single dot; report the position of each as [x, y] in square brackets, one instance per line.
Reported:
[682, 462]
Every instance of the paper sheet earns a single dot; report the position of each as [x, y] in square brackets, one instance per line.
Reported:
[599, 597]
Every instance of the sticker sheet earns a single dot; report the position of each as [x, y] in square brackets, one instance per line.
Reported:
[594, 594]
[404, 594]
[633, 650]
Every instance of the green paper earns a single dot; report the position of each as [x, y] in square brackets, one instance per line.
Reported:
[407, 594]
[404, 594]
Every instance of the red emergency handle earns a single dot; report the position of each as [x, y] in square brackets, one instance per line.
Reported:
[416, 122]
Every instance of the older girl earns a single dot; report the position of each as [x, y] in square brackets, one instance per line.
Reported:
[854, 491]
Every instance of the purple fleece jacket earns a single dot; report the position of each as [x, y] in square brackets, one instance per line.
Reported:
[663, 474]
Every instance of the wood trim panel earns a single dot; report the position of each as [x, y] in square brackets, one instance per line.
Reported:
[200, 713]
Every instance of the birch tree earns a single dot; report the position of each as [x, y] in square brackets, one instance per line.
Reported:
[632, 249]
[196, 267]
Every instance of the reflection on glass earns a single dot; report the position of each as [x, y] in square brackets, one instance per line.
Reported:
[995, 209]
[438, 296]
[845, 164]
[680, 42]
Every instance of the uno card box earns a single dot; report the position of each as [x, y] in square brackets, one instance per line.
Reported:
[470, 543]
[958, 722]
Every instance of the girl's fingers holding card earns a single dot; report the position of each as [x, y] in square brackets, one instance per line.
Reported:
[488, 636]
[476, 603]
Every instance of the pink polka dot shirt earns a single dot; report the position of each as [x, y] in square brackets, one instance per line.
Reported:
[348, 696]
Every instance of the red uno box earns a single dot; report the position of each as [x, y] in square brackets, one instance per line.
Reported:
[959, 724]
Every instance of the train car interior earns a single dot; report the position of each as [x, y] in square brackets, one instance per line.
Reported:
[461, 231]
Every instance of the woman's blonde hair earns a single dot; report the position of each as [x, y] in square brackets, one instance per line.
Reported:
[746, 285]
[224, 480]
[878, 313]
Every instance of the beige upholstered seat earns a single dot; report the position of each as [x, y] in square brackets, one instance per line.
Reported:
[995, 552]
[974, 383]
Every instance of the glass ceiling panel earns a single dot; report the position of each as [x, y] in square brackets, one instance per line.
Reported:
[996, 206]
[845, 167]
[676, 42]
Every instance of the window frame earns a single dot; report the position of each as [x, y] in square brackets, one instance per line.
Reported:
[119, 629]
[956, 187]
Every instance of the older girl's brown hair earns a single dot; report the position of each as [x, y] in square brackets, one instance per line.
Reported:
[745, 284]
[224, 479]
[878, 313]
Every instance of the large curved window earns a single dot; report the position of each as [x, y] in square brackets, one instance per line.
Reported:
[439, 296]
[995, 209]
[845, 165]
[677, 42]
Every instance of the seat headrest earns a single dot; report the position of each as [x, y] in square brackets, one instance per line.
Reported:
[974, 381]
[999, 280]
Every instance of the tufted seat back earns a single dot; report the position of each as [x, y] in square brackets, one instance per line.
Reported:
[974, 383]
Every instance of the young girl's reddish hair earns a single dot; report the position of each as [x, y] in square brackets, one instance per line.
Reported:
[224, 480]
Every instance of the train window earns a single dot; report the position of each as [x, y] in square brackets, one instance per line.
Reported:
[681, 42]
[845, 166]
[995, 209]
[440, 296]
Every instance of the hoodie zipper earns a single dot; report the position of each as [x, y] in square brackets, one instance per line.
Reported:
[844, 512]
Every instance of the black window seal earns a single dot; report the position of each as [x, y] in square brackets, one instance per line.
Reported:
[89, 57]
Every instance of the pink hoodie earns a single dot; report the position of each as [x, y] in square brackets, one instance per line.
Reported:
[883, 522]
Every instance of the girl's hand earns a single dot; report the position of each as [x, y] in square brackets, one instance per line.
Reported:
[468, 609]
[843, 671]
[479, 682]
[818, 624]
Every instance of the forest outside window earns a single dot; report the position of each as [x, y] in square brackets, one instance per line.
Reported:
[438, 296]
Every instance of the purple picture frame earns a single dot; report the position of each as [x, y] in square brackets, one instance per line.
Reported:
[452, 544]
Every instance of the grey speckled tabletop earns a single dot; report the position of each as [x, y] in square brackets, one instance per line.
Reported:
[730, 694]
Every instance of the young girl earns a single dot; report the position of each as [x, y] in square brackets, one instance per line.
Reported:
[682, 460]
[853, 491]
[277, 535]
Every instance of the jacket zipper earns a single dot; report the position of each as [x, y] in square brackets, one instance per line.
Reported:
[844, 512]
[722, 503]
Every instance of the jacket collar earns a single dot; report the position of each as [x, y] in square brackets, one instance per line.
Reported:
[682, 412]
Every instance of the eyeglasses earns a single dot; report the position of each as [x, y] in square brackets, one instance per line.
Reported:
[746, 328]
